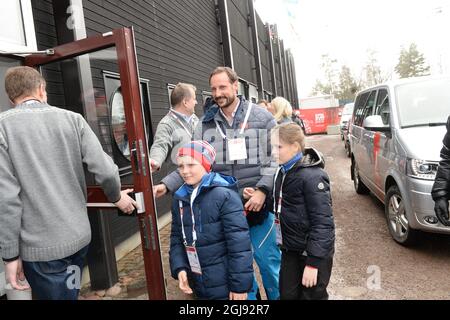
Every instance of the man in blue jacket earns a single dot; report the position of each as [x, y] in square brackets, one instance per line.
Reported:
[240, 133]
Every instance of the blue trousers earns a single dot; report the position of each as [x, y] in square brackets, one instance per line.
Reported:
[268, 258]
[56, 279]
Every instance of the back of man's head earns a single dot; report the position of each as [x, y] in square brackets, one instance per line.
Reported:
[22, 82]
[180, 92]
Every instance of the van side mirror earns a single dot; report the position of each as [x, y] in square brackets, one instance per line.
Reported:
[375, 123]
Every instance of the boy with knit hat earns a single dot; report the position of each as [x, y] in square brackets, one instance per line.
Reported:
[210, 241]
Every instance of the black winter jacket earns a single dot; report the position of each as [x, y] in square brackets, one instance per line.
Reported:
[306, 216]
[441, 187]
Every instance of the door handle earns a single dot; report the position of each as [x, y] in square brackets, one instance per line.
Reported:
[133, 155]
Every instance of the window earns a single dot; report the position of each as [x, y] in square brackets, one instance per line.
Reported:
[5, 63]
[113, 92]
[206, 95]
[170, 88]
[243, 89]
[370, 104]
[359, 109]
[383, 106]
[17, 26]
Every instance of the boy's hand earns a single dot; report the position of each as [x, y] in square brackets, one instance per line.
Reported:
[309, 277]
[183, 282]
[238, 296]
[248, 193]
[159, 190]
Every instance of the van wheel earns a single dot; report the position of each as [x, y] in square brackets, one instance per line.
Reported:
[347, 149]
[397, 220]
[360, 187]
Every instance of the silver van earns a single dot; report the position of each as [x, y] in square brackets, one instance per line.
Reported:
[396, 135]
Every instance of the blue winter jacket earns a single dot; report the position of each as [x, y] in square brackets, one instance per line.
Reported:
[223, 240]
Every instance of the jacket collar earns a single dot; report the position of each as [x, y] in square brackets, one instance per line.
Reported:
[311, 158]
[288, 165]
[209, 181]
[214, 114]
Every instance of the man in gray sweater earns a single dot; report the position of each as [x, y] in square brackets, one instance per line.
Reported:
[44, 228]
[177, 127]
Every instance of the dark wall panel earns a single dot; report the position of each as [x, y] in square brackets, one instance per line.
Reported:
[241, 39]
[176, 41]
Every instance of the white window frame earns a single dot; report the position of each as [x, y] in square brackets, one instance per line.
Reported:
[28, 25]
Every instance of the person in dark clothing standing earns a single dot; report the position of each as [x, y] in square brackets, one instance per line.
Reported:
[304, 220]
[296, 119]
[441, 187]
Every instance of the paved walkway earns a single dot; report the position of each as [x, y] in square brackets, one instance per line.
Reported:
[132, 284]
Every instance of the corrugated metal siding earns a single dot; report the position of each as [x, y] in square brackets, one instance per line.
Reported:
[176, 41]
[44, 25]
[277, 60]
[241, 40]
[264, 53]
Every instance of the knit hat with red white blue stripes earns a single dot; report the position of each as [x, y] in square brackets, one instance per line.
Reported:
[201, 151]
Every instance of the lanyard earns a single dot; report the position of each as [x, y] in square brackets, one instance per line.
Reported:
[194, 233]
[277, 209]
[181, 123]
[244, 124]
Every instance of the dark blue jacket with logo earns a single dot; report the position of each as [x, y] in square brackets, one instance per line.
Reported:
[223, 239]
[306, 218]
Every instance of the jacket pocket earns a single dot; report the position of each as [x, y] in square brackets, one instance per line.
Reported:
[215, 275]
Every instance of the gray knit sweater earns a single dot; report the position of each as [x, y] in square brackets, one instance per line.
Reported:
[43, 213]
[170, 136]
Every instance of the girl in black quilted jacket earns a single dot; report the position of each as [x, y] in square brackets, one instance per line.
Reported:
[304, 219]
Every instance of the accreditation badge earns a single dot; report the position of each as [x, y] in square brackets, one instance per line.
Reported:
[278, 232]
[237, 150]
[193, 260]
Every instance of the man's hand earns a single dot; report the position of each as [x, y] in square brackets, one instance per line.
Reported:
[441, 209]
[154, 166]
[183, 282]
[14, 274]
[309, 277]
[126, 203]
[256, 202]
[248, 193]
[159, 190]
[238, 296]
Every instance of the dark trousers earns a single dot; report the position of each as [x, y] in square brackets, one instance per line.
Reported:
[291, 275]
[56, 279]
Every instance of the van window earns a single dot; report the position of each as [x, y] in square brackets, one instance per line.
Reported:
[383, 109]
[423, 103]
[370, 104]
[366, 109]
[359, 108]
